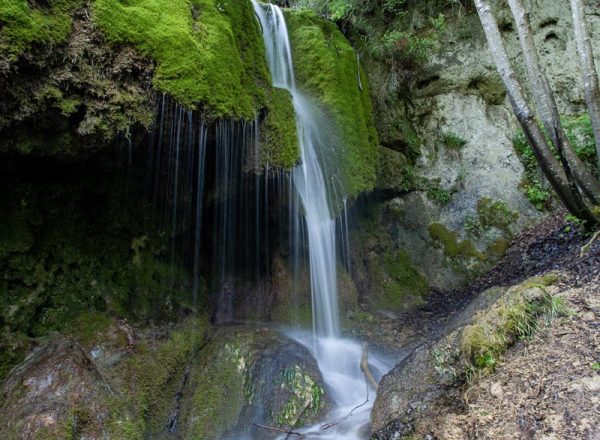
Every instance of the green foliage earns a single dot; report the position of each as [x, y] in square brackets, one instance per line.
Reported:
[437, 193]
[453, 142]
[207, 51]
[327, 68]
[491, 214]
[578, 130]
[22, 25]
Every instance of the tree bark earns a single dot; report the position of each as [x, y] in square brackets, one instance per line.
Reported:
[548, 110]
[589, 75]
[550, 166]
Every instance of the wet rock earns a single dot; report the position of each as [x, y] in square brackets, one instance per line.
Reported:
[247, 376]
[56, 392]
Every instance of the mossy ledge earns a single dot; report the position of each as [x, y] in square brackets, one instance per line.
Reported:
[327, 68]
[209, 53]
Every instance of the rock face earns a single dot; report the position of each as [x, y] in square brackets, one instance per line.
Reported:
[430, 377]
[460, 115]
[40, 395]
[248, 376]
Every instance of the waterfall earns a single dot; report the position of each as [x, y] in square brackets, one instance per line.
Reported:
[338, 359]
[308, 177]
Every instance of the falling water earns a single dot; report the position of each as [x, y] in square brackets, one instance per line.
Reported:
[338, 359]
[308, 177]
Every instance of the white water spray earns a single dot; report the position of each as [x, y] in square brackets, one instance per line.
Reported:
[308, 177]
[338, 359]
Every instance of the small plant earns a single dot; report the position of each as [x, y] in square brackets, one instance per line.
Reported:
[453, 142]
[596, 366]
[434, 190]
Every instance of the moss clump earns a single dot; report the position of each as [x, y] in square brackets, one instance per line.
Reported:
[403, 285]
[453, 247]
[515, 316]
[327, 68]
[279, 136]
[22, 25]
[209, 53]
[306, 395]
[149, 391]
[394, 172]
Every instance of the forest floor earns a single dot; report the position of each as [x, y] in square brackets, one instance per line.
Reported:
[547, 387]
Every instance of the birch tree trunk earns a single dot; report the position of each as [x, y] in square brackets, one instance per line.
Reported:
[589, 75]
[548, 110]
[550, 166]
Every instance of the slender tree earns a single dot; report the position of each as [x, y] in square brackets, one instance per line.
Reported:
[547, 108]
[558, 176]
[589, 77]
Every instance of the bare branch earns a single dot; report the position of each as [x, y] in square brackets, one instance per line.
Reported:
[273, 428]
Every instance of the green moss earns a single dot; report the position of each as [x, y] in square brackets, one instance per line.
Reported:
[327, 68]
[88, 325]
[404, 286]
[496, 214]
[305, 400]
[394, 171]
[279, 135]
[516, 316]
[22, 26]
[221, 387]
[149, 391]
[209, 53]
[453, 247]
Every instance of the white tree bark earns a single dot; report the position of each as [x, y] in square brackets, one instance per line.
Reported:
[550, 166]
[589, 75]
[548, 110]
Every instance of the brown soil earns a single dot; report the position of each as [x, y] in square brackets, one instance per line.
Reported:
[546, 388]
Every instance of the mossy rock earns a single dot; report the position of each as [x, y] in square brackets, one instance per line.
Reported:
[327, 69]
[209, 54]
[22, 25]
[279, 134]
[452, 245]
[250, 376]
[434, 373]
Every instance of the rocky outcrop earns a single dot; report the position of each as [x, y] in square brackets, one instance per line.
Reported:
[430, 378]
[461, 124]
[246, 377]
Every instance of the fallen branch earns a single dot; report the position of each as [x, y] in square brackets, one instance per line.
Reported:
[272, 428]
[364, 367]
[585, 249]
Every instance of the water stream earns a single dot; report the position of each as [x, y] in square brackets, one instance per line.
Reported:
[338, 359]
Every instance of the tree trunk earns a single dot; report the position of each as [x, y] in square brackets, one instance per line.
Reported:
[589, 76]
[550, 166]
[548, 110]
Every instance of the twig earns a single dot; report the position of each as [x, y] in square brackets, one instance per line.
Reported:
[364, 366]
[585, 249]
[272, 428]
